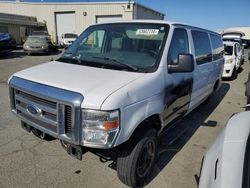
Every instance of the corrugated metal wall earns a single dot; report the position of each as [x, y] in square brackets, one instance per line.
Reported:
[144, 13]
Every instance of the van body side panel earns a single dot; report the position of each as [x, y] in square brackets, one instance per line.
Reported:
[177, 99]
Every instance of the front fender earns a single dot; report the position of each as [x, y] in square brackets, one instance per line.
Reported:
[132, 116]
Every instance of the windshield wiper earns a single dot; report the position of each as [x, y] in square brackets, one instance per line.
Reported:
[114, 61]
[72, 60]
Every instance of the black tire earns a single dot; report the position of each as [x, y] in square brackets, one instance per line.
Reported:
[134, 165]
[234, 74]
[42, 135]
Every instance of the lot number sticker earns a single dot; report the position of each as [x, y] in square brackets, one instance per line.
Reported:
[147, 31]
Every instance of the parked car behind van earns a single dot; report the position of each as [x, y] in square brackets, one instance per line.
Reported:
[227, 161]
[38, 44]
[117, 87]
[233, 60]
[67, 39]
[235, 36]
[7, 42]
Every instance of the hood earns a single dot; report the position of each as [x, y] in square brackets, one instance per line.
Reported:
[95, 84]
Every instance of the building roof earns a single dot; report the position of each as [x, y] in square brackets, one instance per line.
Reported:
[81, 2]
[19, 19]
[245, 30]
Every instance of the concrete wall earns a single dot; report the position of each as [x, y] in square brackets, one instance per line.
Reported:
[85, 12]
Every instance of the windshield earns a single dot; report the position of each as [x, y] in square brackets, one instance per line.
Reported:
[123, 46]
[228, 50]
[36, 40]
[70, 35]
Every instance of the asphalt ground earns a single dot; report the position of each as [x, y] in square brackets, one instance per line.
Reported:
[26, 161]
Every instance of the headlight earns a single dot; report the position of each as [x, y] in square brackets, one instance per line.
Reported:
[229, 61]
[100, 127]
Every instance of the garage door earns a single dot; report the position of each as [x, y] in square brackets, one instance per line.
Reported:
[65, 23]
[102, 19]
[3, 29]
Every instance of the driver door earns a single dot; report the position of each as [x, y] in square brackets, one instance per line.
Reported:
[178, 85]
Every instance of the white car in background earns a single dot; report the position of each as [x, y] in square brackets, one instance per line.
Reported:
[227, 161]
[235, 36]
[233, 60]
[67, 39]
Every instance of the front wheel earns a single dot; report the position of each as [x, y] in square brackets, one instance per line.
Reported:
[134, 165]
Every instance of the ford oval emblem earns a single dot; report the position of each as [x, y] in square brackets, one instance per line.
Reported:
[33, 110]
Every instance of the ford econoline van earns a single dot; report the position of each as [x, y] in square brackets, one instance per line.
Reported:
[117, 87]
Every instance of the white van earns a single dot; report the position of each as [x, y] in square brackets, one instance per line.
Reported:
[117, 87]
[235, 36]
[232, 59]
[67, 39]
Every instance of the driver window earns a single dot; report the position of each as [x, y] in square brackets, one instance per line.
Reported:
[179, 44]
[93, 43]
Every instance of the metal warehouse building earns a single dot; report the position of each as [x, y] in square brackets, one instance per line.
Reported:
[58, 18]
[245, 30]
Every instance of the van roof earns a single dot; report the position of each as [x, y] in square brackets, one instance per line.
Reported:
[159, 22]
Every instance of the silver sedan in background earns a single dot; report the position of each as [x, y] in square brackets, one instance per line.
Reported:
[38, 44]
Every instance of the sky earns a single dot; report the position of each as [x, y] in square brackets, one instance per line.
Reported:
[209, 14]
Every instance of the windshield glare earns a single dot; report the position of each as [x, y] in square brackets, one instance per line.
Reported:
[36, 40]
[133, 44]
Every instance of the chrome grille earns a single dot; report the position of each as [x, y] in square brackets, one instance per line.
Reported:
[68, 119]
[49, 111]
[55, 111]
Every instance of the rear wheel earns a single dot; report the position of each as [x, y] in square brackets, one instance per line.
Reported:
[134, 165]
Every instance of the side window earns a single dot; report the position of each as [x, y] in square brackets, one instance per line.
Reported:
[93, 43]
[235, 50]
[218, 48]
[203, 51]
[179, 44]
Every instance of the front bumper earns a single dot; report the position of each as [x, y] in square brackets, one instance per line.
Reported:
[36, 50]
[228, 70]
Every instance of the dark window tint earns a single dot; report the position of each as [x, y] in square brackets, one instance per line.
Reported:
[217, 45]
[203, 51]
[228, 50]
[179, 44]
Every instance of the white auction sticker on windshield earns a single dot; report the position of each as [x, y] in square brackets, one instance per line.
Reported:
[147, 31]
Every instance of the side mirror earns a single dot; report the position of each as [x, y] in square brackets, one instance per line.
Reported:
[185, 64]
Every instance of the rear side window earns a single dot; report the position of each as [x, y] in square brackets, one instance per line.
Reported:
[203, 51]
[179, 44]
[217, 45]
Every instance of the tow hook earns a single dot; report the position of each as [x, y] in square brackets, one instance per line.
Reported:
[25, 126]
[73, 150]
